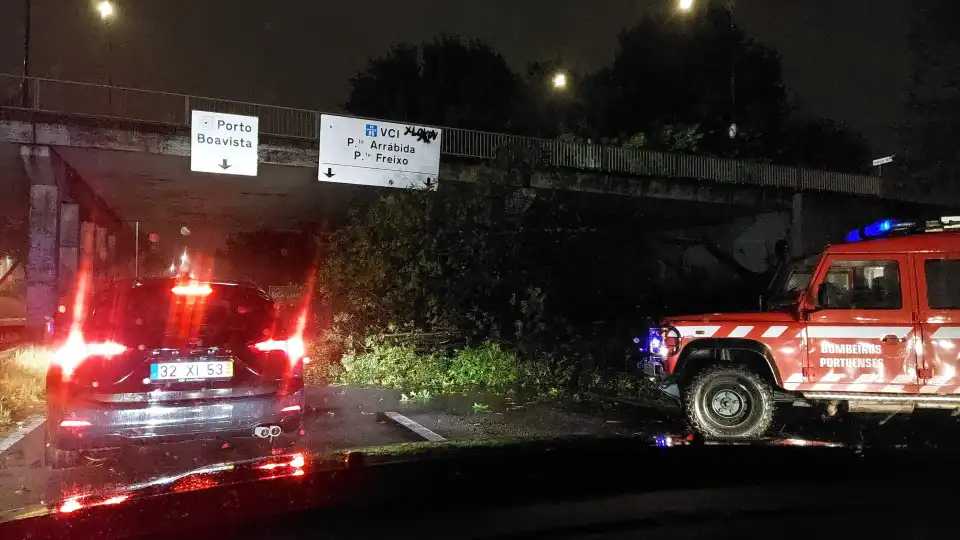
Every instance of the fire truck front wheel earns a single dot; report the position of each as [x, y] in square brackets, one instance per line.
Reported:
[729, 402]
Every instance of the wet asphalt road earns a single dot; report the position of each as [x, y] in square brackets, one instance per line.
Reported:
[337, 419]
[345, 418]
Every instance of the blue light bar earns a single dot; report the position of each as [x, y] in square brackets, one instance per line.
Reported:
[879, 228]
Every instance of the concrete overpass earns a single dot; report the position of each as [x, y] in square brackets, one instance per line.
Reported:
[95, 159]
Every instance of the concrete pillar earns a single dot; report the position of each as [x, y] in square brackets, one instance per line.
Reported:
[43, 252]
[69, 246]
[796, 226]
[100, 267]
[88, 247]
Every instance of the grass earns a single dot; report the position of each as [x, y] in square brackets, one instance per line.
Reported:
[22, 373]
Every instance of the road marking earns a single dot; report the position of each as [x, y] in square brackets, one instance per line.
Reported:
[414, 427]
[29, 426]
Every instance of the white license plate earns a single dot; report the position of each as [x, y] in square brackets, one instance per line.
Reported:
[191, 370]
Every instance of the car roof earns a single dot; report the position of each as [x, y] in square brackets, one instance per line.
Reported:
[913, 243]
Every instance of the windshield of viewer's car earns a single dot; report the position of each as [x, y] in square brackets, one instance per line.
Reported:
[234, 231]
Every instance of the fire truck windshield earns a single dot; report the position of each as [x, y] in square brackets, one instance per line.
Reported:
[788, 286]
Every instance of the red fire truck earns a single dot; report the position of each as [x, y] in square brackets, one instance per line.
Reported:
[870, 325]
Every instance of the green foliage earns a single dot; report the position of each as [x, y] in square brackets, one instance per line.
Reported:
[668, 138]
[487, 366]
[431, 273]
[418, 260]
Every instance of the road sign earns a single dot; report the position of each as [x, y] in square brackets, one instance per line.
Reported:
[286, 293]
[223, 143]
[378, 153]
[882, 161]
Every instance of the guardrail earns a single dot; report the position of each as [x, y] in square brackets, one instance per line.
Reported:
[69, 97]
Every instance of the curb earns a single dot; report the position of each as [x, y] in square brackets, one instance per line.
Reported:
[29, 426]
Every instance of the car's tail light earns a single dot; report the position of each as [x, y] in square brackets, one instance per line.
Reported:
[75, 423]
[192, 289]
[75, 351]
[293, 347]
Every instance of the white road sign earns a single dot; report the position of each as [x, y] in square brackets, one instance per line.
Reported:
[223, 143]
[378, 153]
[882, 161]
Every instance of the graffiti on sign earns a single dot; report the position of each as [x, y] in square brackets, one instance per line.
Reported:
[286, 293]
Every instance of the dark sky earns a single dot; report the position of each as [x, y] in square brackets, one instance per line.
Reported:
[845, 59]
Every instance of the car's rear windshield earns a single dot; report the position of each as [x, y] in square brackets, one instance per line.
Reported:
[155, 307]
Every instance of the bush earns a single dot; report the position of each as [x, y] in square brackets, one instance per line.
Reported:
[486, 366]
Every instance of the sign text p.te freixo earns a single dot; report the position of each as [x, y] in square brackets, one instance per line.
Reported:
[378, 153]
[223, 143]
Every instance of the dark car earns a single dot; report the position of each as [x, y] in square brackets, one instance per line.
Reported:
[160, 360]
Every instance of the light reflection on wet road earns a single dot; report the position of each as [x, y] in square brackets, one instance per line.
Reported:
[340, 418]
[337, 419]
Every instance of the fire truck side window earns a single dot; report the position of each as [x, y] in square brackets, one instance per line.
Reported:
[942, 276]
[863, 285]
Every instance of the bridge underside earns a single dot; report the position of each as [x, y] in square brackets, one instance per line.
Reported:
[163, 195]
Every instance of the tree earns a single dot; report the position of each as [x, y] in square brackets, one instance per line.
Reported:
[931, 158]
[447, 82]
[547, 110]
[418, 259]
[678, 72]
[821, 143]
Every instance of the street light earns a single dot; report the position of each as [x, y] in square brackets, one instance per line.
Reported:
[560, 80]
[106, 10]
[686, 5]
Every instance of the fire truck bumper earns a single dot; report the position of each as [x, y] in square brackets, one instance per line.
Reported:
[654, 371]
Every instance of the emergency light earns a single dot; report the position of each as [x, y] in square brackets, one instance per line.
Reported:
[888, 227]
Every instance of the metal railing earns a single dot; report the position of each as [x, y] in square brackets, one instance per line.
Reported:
[77, 98]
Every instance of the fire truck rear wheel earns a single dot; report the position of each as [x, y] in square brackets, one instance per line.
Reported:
[729, 402]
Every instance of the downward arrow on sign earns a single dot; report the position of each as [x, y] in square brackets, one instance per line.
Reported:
[224, 165]
[329, 173]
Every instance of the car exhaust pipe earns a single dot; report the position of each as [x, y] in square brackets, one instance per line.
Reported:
[267, 431]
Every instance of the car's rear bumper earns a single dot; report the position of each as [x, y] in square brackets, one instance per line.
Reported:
[112, 426]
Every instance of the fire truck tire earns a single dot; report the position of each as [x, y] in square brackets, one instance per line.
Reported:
[729, 402]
